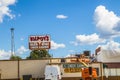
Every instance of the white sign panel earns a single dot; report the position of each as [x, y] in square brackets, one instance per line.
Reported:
[39, 42]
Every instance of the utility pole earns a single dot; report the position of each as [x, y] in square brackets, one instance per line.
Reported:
[12, 42]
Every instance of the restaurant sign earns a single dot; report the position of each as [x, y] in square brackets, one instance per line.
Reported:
[73, 67]
[39, 42]
[72, 70]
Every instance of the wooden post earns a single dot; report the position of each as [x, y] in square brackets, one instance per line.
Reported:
[0, 73]
[18, 70]
[101, 70]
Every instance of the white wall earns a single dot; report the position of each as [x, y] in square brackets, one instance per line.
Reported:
[112, 72]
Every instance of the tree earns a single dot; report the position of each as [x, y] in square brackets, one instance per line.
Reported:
[38, 54]
[13, 57]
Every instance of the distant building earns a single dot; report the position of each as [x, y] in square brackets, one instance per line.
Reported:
[110, 60]
[103, 55]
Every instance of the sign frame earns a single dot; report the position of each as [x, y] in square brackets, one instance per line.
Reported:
[39, 42]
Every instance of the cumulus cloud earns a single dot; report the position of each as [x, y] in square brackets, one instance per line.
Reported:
[107, 22]
[88, 39]
[21, 38]
[111, 45]
[71, 51]
[56, 45]
[21, 50]
[4, 9]
[5, 54]
[61, 16]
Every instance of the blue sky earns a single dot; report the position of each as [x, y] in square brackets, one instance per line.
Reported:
[74, 25]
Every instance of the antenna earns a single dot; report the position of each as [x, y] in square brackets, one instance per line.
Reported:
[12, 42]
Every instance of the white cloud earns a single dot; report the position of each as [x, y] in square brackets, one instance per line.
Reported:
[88, 39]
[21, 38]
[4, 9]
[7, 2]
[56, 45]
[19, 15]
[71, 51]
[21, 50]
[4, 54]
[107, 22]
[111, 45]
[61, 16]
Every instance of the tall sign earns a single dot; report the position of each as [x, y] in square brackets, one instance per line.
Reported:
[39, 42]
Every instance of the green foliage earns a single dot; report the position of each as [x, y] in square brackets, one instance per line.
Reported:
[15, 57]
[38, 54]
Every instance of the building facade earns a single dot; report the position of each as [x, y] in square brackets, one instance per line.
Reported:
[15, 70]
